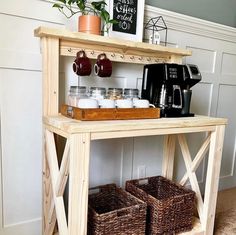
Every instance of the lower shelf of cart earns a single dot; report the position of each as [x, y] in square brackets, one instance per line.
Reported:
[197, 229]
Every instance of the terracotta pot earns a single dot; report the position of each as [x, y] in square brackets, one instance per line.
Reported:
[90, 24]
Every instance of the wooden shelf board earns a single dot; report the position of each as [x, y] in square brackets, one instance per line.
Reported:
[102, 129]
[124, 46]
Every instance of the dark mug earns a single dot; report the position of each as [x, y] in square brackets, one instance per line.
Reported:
[82, 65]
[103, 66]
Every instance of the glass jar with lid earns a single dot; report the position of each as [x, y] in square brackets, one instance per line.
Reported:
[131, 93]
[76, 93]
[115, 93]
[98, 93]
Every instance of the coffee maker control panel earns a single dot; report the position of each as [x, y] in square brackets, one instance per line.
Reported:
[172, 73]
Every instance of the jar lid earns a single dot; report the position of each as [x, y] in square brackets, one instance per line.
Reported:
[115, 90]
[77, 89]
[97, 89]
[131, 91]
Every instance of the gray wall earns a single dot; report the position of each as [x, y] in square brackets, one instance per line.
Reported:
[219, 11]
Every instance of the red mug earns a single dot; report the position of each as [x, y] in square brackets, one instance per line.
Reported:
[103, 66]
[82, 65]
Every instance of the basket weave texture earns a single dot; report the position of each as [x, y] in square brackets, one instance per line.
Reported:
[113, 211]
[170, 206]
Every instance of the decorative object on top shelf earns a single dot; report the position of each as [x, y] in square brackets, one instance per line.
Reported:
[129, 14]
[91, 14]
[155, 25]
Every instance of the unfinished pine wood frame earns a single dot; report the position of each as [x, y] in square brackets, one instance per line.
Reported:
[74, 166]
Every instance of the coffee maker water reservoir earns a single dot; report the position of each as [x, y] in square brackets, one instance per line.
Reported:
[167, 86]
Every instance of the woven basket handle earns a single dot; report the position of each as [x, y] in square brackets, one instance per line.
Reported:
[101, 188]
[127, 211]
[142, 181]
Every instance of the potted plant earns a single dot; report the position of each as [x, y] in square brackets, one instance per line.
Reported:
[90, 17]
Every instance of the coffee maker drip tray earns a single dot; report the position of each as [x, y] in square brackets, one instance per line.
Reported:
[175, 113]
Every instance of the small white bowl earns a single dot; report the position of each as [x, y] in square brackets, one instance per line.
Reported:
[142, 104]
[124, 103]
[107, 103]
[87, 103]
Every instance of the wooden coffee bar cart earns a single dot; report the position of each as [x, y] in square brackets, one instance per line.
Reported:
[79, 134]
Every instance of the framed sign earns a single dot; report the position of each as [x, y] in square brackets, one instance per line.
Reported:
[129, 15]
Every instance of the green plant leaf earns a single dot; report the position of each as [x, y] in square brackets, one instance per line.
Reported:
[99, 6]
[57, 6]
[112, 21]
[70, 2]
[63, 1]
[105, 16]
[81, 4]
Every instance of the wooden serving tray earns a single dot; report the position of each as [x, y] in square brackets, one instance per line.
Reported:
[109, 113]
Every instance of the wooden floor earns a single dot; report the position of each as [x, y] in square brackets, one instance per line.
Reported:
[226, 200]
[226, 213]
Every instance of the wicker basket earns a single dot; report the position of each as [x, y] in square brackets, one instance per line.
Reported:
[112, 210]
[170, 206]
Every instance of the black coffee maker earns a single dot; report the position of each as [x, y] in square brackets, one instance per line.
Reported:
[167, 86]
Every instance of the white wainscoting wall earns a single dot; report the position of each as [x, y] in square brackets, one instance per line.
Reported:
[214, 51]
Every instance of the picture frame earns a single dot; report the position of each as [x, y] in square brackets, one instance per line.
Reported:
[130, 17]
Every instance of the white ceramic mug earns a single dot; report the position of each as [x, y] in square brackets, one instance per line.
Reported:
[124, 103]
[87, 103]
[107, 103]
[142, 104]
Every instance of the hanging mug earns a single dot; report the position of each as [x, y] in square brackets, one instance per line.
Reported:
[82, 65]
[103, 66]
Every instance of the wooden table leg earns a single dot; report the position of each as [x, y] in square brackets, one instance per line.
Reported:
[78, 183]
[50, 68]
[212, 179]
[168, 156]
[47, 195]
